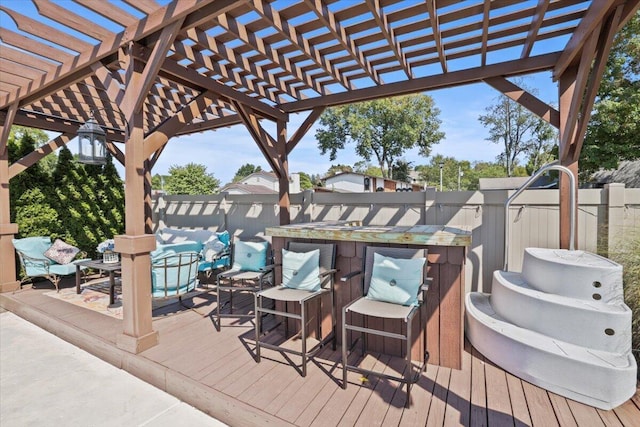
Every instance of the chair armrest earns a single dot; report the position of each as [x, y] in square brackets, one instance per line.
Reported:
[25, 257]
[328, 272]
[268, 268]
[349, 276]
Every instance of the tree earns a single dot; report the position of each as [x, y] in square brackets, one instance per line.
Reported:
[336, 169]
[305, 181]
[21, 142]
[191, 179]
[401, 171]
[513, 126]
[613, 133]
[542, 146]
[383, 128]
[246, 170]
[157, 181]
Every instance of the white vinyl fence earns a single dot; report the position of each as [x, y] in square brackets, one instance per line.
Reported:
[605, 216]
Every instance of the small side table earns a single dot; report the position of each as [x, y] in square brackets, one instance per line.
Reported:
[102, 266]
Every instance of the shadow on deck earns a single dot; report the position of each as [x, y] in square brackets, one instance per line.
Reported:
[216, 372]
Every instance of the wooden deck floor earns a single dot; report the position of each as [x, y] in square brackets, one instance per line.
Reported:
[216, 372]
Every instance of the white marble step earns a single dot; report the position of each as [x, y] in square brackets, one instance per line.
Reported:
[577, 274]
[597, 378]
[591, 324]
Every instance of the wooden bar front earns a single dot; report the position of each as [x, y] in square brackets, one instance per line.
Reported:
[444, 308]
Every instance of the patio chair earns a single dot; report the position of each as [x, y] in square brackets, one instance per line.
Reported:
[251, 268]
[174, 269]
[308, 271]
[40, 258]
[394, 288]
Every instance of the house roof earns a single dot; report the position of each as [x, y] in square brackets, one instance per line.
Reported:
[363, 175]
[628, 173]
[248, 188]
[215, 62]
[265, 174]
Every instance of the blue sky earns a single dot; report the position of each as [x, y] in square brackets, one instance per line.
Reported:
[225, 150]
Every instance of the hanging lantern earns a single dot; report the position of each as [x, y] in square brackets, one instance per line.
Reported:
[92, 139]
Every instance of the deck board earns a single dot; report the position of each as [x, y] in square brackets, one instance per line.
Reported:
[518, 400]
[216, 371]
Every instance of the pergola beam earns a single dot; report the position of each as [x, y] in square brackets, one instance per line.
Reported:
[72, 71]
[304, 128]
[451, 79]
[160, 136]
[329, 20]
[192, 78]
[526, 99]
[265, 142]
[240, 31]
[541, 9]
[437, 35]
[383, 22]
[594, 17]
[40, 152]
[293, 36]
[603, 48]
[582, 77]
[5, 128]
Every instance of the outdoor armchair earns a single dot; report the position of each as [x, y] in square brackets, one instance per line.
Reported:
[251, 269]
[174, 269]
[40, 258]
[394, 287]
[308, 271]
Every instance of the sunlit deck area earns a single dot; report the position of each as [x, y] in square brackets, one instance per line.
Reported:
[216, 372]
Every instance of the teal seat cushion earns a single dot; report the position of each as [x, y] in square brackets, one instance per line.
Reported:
[224, 237]
[174, 248]
[396, 280]
[249, 256]
[33, 247]
[301, 270]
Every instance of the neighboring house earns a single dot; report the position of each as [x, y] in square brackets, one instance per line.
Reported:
[628, 173]
[351, 182]
[261, 183]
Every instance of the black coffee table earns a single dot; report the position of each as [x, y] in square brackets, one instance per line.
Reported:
[110, 267]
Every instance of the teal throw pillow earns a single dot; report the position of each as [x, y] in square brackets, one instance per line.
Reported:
[396, 280]
[249, 256]
[301, 270]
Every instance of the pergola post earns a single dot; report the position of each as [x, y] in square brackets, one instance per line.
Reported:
[283, 174]
[567, 88]
[8, 282]
[135, 246]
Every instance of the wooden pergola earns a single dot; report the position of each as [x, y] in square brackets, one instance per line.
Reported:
[153, 70]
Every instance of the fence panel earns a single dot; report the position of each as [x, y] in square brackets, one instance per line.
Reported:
[605, 217]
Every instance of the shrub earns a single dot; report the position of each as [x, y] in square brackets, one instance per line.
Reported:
[627, 253]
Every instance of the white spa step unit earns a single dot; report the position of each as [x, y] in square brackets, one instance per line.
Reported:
[560, 324]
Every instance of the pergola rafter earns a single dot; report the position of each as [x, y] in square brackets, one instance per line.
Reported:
[195, 65]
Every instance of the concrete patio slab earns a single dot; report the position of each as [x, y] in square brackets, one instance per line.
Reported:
[45, 380]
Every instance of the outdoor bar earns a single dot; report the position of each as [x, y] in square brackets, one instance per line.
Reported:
[444, 306]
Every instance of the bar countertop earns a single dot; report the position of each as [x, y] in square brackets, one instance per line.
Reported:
[353, 231]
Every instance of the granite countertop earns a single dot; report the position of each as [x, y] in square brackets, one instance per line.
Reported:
[434, 235]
